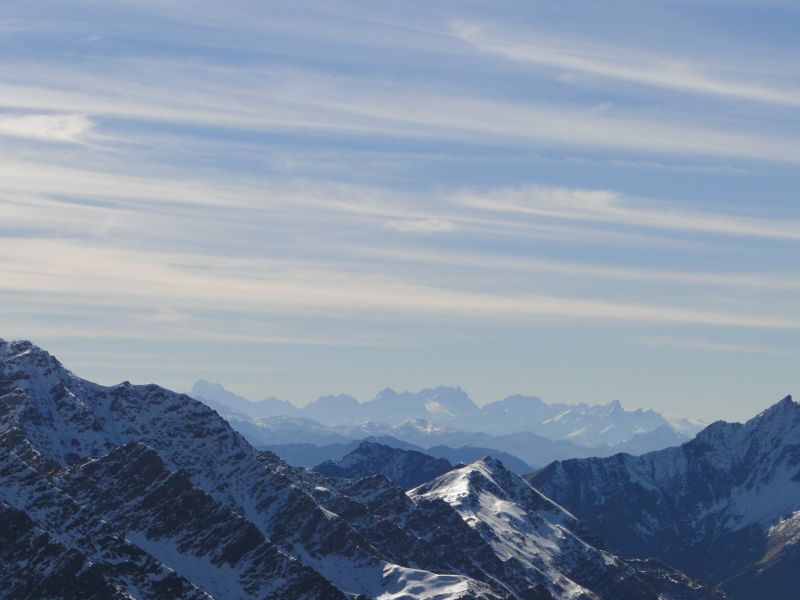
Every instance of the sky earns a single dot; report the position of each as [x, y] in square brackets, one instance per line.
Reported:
[577, 200]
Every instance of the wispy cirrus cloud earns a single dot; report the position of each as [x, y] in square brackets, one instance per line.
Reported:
[626, 64]
[303, 101]
[692, 343]
[61, 128]
[607, 206]
[603, 271]
[432, 225]
[246, 176]
[99, 276]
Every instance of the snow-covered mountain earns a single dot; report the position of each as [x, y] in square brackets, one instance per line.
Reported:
[596, 426]
[438, 405]
[723, 507]
[406, 468]
[525, 528]
[133, 491]
[588, 425]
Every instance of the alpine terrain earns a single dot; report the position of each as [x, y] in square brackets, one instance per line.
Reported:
[724, 507]
[133, 491]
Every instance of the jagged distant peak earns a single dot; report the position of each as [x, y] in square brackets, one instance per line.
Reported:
[336, 399]
[783, 406]
[25, 352]
[441, 391]
[202, 386]
[519, 400]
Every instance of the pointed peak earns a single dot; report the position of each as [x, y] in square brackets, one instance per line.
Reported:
[781, 407]
[25, 352]
[18, 347]
[521, 400]
[337, 399]
[370, 445]
[490, 467]
[448, 389]
[201, 384]
[386, 393]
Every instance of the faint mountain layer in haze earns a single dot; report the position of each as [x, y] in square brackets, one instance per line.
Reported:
[582, 424]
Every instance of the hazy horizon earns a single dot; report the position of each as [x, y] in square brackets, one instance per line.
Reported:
[573, 201]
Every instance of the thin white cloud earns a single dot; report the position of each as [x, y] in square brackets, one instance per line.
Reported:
[692, 343]
[63, 128]
[622, 64]
[610, 207]
[306, 101]
[582, 270]
[421, 226]
[24, 329]
[80, 273]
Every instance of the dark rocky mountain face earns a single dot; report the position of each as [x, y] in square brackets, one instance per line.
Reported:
[406, 468]
[161, 511]
[776, 573]
[722, 507]
[310, 455]
[136, 491]
[46, 523]
[51, 569]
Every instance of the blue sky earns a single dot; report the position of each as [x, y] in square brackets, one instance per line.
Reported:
[578, 200]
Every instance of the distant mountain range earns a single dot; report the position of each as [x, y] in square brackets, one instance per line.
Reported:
[581, 424]
[525, 430]
[134, 491]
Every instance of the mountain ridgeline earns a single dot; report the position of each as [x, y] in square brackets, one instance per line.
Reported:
[724, 507]
[134, 491]
[445, 422]
[584, 424]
